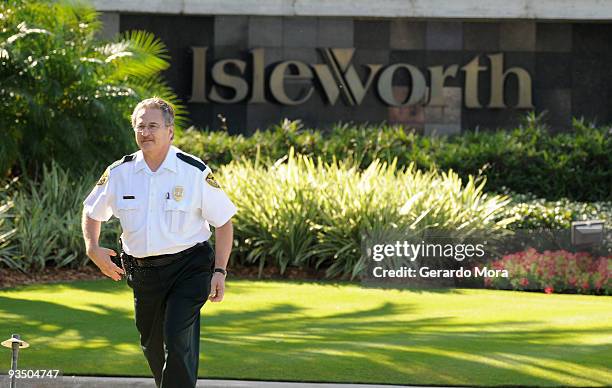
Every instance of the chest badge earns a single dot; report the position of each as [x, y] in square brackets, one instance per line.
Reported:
[177, 193]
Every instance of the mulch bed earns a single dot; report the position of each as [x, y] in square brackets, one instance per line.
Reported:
[11, 277]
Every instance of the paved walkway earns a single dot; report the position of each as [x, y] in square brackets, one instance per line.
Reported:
[129, 382]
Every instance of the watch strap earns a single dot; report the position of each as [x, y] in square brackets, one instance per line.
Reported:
[224, 272]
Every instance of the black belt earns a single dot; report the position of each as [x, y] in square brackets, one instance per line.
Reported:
[161, 260]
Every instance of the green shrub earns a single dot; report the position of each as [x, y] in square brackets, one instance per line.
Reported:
[533, 213]
[66, 95]
[296, 212]
[306, 213]
[7, 246]
[527, 159]
[362, 144]
[46, 219]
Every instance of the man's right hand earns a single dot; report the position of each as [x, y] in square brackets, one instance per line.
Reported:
[101, 257]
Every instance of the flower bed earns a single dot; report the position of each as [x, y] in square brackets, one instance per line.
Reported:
[554, 271]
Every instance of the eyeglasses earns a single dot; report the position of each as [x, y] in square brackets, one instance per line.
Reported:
[152, 129]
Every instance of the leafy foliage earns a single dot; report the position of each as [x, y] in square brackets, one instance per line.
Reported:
[65, 94]
[527, 159]
[533, 213]
[45, 220]
[310, 213]
[296, 212]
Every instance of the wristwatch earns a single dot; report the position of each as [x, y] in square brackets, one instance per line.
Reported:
[224, 272]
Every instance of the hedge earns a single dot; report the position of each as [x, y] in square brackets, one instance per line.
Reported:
[297, 212]
[527, 159]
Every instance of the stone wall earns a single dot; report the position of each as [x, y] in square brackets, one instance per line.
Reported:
[568, 63]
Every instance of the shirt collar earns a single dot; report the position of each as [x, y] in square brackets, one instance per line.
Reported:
[169, 163]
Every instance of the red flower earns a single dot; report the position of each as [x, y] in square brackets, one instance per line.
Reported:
[548, 290]
[585, 284]
[579, 271]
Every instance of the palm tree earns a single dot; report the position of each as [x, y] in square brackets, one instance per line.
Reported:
[65, 94]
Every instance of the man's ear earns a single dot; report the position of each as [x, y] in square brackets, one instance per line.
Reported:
[171, 132]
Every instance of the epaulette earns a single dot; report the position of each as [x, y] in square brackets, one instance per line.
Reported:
[125, 159]
[191, 160]
[210, 179]
[104, 178]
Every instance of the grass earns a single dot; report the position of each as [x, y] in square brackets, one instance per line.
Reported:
[335, 332]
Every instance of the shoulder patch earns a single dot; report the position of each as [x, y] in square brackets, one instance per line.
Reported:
[210, 179]
[104, 178]
[191, 160]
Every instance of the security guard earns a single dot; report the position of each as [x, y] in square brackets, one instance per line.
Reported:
[165, 200]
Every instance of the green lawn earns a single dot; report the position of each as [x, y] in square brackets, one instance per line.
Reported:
[329, 332]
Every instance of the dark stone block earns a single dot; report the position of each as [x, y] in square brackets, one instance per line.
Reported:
[369, 56]
[481, 36]
[591, 40]
[309, 112]
[231, 31]
[407, 34]
[555, 37]
[265, 31]
[444, 36]
[553, 71]
[340, 112]
[200, 115]
[335, 32]
[371, 34]
[235, 117]
[557, 103]
[299, 32]
[517, 36]
[372, 109]
[591, 91]
[262, 116]
[416, 58]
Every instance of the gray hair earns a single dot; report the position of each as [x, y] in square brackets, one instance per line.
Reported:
[158, 103]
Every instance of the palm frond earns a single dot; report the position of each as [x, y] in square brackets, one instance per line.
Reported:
[137, 54]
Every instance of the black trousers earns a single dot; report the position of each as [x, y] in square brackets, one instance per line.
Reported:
[167, 303]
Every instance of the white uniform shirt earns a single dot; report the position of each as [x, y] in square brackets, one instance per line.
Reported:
[161, 212]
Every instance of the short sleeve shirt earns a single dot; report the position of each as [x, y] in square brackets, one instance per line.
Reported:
[161, 212]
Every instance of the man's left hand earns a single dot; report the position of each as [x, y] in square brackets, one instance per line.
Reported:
[217, 287]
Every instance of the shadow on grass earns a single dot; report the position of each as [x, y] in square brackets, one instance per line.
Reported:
[391, 343]
[419, 351]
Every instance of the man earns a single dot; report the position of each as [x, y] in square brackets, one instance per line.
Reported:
[165, 200]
